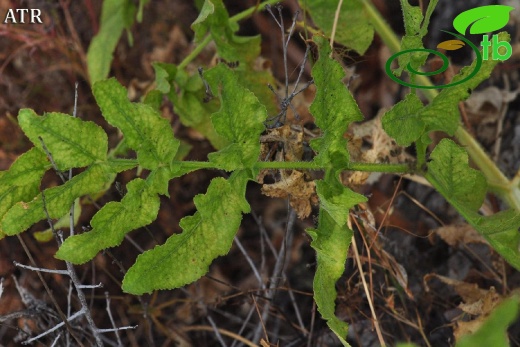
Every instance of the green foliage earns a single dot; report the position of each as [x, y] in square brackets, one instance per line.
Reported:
[116, 15]
[465, 188]
[353, 29]
[234, 121]
[207, 234]
[334, 109]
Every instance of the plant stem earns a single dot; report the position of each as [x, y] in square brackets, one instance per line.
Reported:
[304, 165]
[495, 178]
[234, 19]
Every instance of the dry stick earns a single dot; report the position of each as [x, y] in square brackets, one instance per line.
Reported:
[244, 325]
[116, 332]
[278, 270]
[250, 262]
[49, 292]
[216, 331]
[367, 292]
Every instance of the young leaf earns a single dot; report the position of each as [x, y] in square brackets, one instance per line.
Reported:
[206, 235]
[144, 129]
[354, 29]
[71, 141]
[57, 199]
[331, 240]
[215, 19]
[416, 27]
[334, 109]
[240, 120]
[188, 101]
[465, 188]
[22, 181]
[483, 19]
[116, 15]
[138, 208]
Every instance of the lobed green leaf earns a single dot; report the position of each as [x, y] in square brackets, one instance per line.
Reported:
[144, 129]
[71, 141]
[333, 108]
[331, 241]
[22, 181]
[57, 199]
[465, 188]
[138, 208]
[240, 120]
[206, 235]
[353, 29]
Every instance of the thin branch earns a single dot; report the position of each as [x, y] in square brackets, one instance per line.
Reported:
[32, 268]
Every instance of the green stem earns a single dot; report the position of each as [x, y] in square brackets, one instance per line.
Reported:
[494, 176]
[238, 17]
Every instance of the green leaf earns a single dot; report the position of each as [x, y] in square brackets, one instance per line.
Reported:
[461, 185]
[138, 208]
[188, 101]
[206, 235]
[22, 181]
[493, 331]
[116, 15]
[240, 120]
[483, 19]
[331, 240]
[144, 129]
[57, 200]
[465, 188]
[353, 29]
[71, 141]
[215, 19]
[402, 122]
[333, 108]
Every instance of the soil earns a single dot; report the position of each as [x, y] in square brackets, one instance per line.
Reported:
[418, 255]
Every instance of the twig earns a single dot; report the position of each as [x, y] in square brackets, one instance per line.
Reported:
[119, 343]
[250, 262]
[32, 268]
[217, 332]
[54, 328]
[277, 272]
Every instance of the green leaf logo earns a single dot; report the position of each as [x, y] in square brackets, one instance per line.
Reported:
[482, 19]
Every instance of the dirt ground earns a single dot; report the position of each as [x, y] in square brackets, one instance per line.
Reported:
[424, 266]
